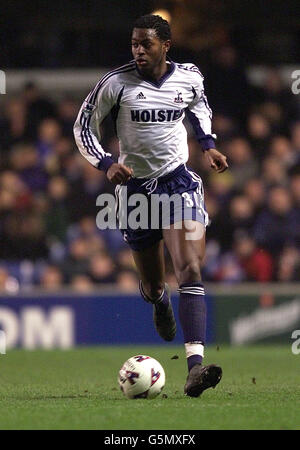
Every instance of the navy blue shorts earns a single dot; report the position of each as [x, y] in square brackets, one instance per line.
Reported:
[146, 206]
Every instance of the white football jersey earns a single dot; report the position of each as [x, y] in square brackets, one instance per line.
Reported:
[148, 117]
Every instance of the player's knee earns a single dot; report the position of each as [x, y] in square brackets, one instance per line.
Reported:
[190, 271]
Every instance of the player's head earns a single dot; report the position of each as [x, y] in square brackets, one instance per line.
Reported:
[151, 40]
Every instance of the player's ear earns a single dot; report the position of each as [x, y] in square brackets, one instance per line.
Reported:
[167, 45]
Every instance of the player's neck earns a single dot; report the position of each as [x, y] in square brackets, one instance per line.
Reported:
[158, 72]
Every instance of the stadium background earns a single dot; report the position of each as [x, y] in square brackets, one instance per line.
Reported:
[63, 281]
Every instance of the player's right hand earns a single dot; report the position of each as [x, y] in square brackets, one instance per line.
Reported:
[118, 173]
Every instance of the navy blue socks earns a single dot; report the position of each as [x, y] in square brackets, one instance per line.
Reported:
[192, 316]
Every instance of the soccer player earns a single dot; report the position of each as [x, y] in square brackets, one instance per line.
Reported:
[148, 99]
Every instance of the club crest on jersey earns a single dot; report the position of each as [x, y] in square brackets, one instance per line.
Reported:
[88, 109]
[179, 98]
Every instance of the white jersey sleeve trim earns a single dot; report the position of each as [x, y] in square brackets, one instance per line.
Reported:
[93, 111]
[199, 112]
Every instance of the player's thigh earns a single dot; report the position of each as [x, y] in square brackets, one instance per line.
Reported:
[150, 264]
[186, 245]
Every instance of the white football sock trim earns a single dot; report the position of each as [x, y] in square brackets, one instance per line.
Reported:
[194, 349]
[192, 292]
[148, 299]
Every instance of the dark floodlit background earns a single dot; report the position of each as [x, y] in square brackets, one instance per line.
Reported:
[54, 52]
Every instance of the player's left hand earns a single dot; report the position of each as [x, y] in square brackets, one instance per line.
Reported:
[217, 160]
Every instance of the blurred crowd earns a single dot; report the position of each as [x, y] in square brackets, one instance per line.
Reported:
[48, 233]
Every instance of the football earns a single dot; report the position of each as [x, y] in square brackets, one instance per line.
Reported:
[141, 376]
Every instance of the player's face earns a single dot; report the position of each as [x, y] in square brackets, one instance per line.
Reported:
[148, 50]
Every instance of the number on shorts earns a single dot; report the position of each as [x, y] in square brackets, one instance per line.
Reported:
[188, 199]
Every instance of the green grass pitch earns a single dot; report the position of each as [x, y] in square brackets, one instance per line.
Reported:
[77, 389]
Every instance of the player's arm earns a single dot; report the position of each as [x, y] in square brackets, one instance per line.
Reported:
[200, 116]
[93, 111]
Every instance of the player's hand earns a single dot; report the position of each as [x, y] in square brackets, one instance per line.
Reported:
[217, 160]
[118, 173]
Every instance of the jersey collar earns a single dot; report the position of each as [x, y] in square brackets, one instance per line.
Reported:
[164, 78]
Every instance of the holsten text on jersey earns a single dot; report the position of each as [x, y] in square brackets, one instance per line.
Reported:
[156, 115]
